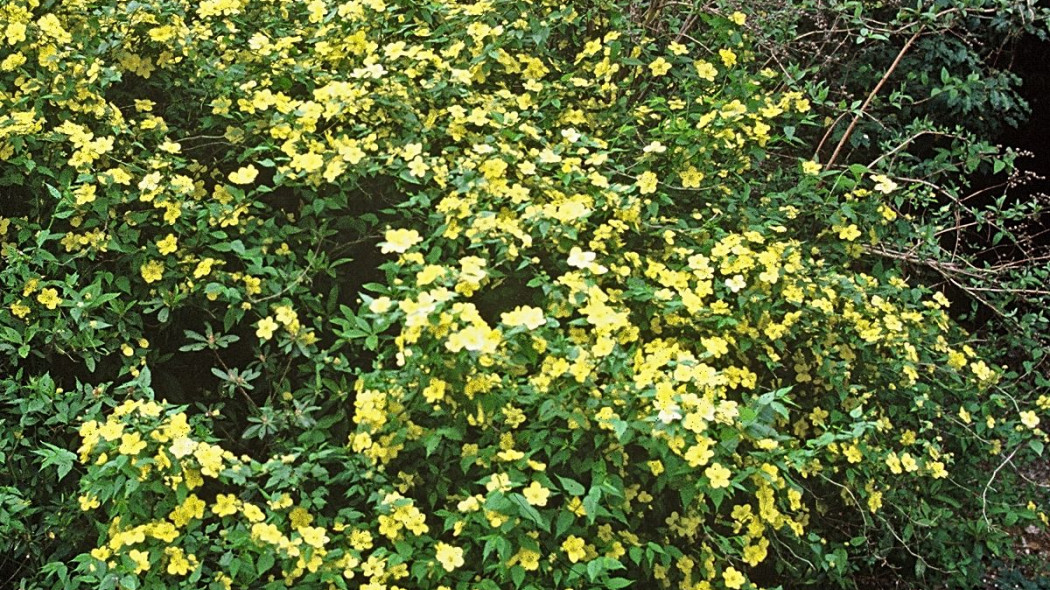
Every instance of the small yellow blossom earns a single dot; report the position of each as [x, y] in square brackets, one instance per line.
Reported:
[849, 233]
[883, 184]
[728, 57]
[575, 548]
[141, 559]
[536, 494]
[88, 503]
[265, 328]
[659, 67]
[168, 244]
[152, 271]
[49, 298]
[19, 309]
[399, 240]
[449, 556]
[733, 578]
[718, 475]
[244, 175]
[225, 505]
[524, 315]
[647, 183]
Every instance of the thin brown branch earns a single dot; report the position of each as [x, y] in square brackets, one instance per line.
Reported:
[871, 95]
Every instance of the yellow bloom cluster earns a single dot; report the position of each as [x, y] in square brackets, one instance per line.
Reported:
[589, 344]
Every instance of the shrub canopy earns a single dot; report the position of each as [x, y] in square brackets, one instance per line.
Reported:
[459, 295]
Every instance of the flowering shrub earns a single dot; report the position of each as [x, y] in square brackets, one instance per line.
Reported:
[486, 294]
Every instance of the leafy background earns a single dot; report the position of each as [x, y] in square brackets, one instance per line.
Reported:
[515, 294]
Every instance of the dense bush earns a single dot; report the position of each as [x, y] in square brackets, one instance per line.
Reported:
[462, 295]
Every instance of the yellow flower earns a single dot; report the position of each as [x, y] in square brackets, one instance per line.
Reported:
[152, 271]
[908, 462]
[536, 494]
[244, 175]
[49, 298]
[646, 183]
[399, 240]
[849, 233]
[210, 458]
[182, 446]
[225, 505]
[300, 517]
[659, 67]
[718, 475]
[937, 470]
[875, 501]
[579, 258]
[178, 565]
[738, 18]
[853, 454]
[252, 512]
[265, 328]
[894, 463]
[111, 430]
[15, 33]
[88, 503]
[811, 167]
[19, 309]
[728, 57]
[267, 533]
[380, 305]
[733, 578]
[308, 162]
[498, 481]
[203, 268]
[755, 554]
[524, 315]
[141, 559]
[736, 283]
[450, 557]
[982, 371]
[705, 70]
[574, 548]
[168, 244]
[883, 184]
[1029, 419]
[315, 537]
[131, 444]
[691, 177]
[417, 167]
[282, 502]
[528, 559]
[84, 194]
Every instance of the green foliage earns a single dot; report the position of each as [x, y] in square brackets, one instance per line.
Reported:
[464, 295]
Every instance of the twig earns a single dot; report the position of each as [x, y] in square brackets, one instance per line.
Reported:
[984, 494]
[871, 95]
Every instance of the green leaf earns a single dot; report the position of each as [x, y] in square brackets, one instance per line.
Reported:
[571, 486]
[594, 569]
[565, 520]
[517, 575]
[1037, 446]
[528, 511]
[265, 562]
[56, 456]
